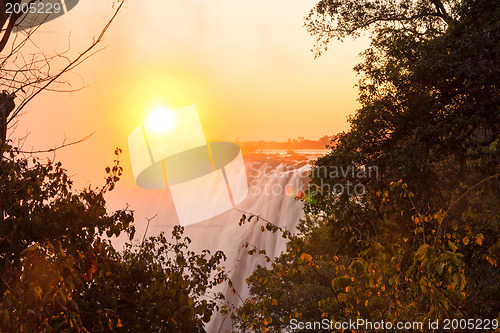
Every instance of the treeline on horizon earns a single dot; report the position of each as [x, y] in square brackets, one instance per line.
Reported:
[298, 143]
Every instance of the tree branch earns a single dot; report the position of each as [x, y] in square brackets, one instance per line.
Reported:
[64, 145]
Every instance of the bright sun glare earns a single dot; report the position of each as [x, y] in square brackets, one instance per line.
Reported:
[160, 120]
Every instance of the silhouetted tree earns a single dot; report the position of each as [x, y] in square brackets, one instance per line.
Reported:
[422, 240]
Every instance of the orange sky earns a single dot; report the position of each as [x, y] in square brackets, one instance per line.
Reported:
[246, 65]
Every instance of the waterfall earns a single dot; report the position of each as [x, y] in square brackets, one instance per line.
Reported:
[272, 189]
[273, 183]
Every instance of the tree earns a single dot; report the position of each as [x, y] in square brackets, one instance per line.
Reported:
[58, 269]
[50, 237]
[421, 241]
[51, 242]
[331, 19]
[22, 78]
[155, 287]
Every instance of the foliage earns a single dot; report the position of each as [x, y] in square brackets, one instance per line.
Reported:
[421, 241]
[155, 287]
[59, 271]
[424, 19]
[50, 238]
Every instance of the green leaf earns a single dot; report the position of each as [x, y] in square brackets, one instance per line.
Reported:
[439, 268]
[452, 246]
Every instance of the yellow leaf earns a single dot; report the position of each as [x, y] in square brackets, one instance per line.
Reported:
[38, 291]
[119, 324]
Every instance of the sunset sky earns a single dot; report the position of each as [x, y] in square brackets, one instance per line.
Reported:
[246, 65]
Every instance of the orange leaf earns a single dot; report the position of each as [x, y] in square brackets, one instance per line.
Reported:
[479, 239]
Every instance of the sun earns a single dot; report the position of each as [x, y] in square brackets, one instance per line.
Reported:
[160, 120]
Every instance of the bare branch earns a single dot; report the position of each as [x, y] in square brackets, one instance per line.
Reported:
[63, 145]
[23, 76]
[72, 65]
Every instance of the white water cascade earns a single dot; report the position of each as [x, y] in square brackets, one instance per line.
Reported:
[271, 197]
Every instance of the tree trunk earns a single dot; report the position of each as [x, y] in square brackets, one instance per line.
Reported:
[7, 105]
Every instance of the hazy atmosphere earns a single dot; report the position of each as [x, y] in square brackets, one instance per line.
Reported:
[236, 166]
[247, 66]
